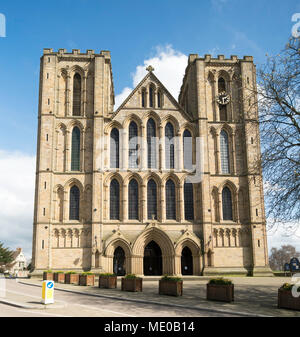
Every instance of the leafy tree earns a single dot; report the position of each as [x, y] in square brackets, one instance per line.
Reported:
[6, 256]
[279, 113]
[279, 257]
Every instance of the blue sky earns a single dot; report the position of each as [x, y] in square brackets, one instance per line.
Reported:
[134, 32]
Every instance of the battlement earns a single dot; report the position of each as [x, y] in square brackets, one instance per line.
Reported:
[76, 52]
[209, 58]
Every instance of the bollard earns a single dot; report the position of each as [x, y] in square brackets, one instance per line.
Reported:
[48, 292]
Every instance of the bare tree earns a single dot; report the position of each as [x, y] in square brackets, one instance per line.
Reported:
[279, 257]
[279, 111]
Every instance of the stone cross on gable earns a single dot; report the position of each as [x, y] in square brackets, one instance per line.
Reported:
[150, 68]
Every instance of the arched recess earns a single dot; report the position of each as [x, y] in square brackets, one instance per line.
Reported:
[163, 241]
[234, 198]
[62, 95]
[195, 250]
[110, 250]
[60, 161]
[215, 204]
[59, 203]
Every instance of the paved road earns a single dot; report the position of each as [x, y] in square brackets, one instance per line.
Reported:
[78, 305]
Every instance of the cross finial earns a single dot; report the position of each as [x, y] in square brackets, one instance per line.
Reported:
[150, 68]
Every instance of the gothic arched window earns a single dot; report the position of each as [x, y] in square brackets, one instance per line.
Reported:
[74, 203]
[75, 153]
[170, 200]
[152, 199]
[133, 200]
[143, 98]
[187, 150]
[76, 95]
[227, 204]
[133, 145]
[114, 148]
[221, 84]
[151, 143]
[114, 200]
[188, 201]
[159, 99]
[224, 152]
[169, 146]
[151, 96]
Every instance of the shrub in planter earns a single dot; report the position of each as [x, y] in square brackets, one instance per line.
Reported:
[71, 277]
[59, 276]
[132, 283]
[220, 289]
[286, 299]
[108, 281]
[48, 275]
[169, 285]
[87, 279]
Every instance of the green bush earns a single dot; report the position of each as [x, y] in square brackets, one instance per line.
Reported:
[47, 271]
[71, 272]
[131, 276]
[59, 272]
[107, 274]
[87, 273]
[220, 280]
[288, 286]
[171, 278]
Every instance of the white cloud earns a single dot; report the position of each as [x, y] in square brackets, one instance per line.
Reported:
[17, 180]
[169, 66]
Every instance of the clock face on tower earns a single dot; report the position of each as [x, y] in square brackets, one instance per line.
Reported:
[223, 98]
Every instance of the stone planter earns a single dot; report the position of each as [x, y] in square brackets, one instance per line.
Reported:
[47, 276]
[172, 288]
[72, 278]
[220, 292]
[87, 280]
[287, 301]
[109, 282]
[132, 284]
[59, 277]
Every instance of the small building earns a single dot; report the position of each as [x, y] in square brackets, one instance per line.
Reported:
[18, 266]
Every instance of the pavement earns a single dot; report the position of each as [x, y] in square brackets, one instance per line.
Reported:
[254, 296]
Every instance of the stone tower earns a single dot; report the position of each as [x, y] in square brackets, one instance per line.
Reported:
[220, 95]
[112, 187]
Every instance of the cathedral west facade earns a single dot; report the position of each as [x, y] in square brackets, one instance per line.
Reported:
[157, 186]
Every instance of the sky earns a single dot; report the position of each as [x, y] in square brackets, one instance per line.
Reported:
[137, 33]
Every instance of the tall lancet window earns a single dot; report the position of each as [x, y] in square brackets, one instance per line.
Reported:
[221, 85]
[151, 96]
[133, 200]
[188, 201]
[169, 146]
[224, 152]
[76, 95]
[133, 145]
[159, 96]
[151, 143]
[114, 148]
[75, 153]
[74, 203]
[187, 150]
[222, 108]
[114, 200]
[152, 199]
[170, 200]
[143, 98]
[227, 204]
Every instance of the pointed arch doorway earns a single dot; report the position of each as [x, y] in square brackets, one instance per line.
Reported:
[186, 261]
[152, 259]
[119, 262]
